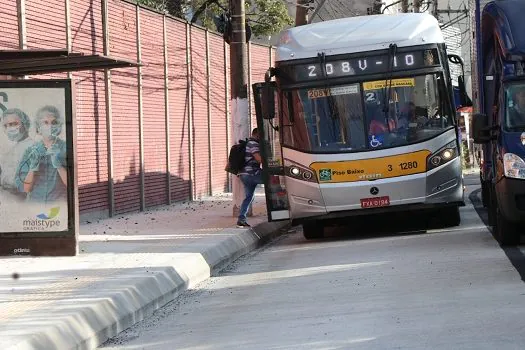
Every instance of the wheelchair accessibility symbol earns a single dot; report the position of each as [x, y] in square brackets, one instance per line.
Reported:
[375, 142]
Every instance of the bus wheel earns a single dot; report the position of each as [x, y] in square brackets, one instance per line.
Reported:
[451, 216]
[313, 230]
[506, 232]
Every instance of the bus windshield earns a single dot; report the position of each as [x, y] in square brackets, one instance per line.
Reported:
[368, 115]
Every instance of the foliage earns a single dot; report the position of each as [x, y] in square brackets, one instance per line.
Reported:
[176, 8]
[266, 17]
[466, 162]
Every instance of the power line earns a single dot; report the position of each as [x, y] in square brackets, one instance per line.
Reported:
[453, 35]
[453, 21]
[316, 11]
[290, 2]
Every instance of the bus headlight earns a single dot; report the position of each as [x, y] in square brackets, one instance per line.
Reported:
[447, 154]
[513, 166]
[443, 156]
[299, 172]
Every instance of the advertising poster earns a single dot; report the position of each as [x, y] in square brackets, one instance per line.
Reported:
[34, 165]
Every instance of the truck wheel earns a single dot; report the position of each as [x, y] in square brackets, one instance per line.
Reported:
[506, 231]
[451, 216]
[492, 205]
[485, 194]
[313, 230]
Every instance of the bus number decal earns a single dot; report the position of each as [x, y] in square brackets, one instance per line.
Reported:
[374, 168]
[409, 60]
[312, 71]
[404, 166]
[317, 93]
[408, 165]
[329, 69]
[345, 67]
[363, 64]
[370, 97]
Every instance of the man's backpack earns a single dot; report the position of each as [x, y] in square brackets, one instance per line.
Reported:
[236, 159]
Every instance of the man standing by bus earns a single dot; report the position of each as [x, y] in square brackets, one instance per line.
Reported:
[250, 175]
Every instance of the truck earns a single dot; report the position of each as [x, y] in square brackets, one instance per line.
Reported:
[360, 119]
[498, 101]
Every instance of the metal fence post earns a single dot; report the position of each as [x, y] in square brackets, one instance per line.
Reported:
[270, 51]
[21, 14]
[141, 114]
[190, 109]
[227, 109]
[208, 92]
[109, 115]
[249, 49]
[167, 109]
[69, 45]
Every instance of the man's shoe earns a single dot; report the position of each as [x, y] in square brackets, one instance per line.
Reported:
[241, 224]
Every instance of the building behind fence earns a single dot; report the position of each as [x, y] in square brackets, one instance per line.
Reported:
[146, 136]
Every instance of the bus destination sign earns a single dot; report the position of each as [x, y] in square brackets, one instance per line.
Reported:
[361, 65]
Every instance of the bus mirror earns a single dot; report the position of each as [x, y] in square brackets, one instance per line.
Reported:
[463, 96]
[481, 130]
[455, 59]
[268, 101]
[464, 99]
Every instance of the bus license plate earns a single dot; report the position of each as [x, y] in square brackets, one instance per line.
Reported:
[375, 202]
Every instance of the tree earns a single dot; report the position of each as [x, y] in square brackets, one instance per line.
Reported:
[265, 17]
[175, 8]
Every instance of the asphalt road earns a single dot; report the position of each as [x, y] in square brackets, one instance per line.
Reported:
[368, 286]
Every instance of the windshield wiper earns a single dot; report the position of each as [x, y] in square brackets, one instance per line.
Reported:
[387, 97]
[322, 61]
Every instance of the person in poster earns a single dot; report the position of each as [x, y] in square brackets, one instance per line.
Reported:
[42, 172]
[16, 126]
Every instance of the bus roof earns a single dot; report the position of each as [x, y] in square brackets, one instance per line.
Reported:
[358, 34]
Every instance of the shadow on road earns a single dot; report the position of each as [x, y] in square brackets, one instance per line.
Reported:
[380, 226]
[515, 254]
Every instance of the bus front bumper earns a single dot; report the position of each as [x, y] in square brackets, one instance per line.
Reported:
[436, 189]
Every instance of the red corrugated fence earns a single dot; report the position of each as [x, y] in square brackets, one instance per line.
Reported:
[183, 122]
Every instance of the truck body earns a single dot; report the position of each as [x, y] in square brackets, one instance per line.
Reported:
[498, 86]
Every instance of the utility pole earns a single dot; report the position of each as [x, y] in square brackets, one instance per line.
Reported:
[316, 11]
[435, 9]
[376, 8]
[404, 6]
[239, 89]
[301, 13]
[417, 5]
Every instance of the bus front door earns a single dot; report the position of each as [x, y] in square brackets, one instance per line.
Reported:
[268, 122]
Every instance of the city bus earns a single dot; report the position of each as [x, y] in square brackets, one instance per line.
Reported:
[357, 117]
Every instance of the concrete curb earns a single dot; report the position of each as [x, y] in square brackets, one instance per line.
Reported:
[92, 323]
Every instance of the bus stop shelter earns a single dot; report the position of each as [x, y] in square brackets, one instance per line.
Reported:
[49, 226]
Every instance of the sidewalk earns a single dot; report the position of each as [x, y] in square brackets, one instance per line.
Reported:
[128, 267]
